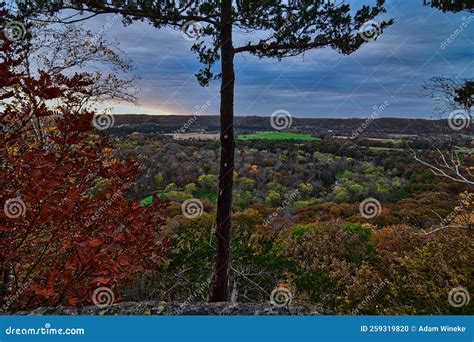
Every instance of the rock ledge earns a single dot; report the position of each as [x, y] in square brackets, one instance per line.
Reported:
[174, 309]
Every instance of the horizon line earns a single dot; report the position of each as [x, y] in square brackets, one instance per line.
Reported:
[293, 117]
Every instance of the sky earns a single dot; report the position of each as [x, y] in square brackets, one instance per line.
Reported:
[320, 83]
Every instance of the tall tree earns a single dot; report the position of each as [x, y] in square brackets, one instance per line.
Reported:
[291, 27]
[451, 5]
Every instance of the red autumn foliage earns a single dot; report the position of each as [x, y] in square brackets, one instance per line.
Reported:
[66, 226]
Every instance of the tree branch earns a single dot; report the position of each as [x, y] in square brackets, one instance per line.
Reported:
[166, 19]
[286, 46]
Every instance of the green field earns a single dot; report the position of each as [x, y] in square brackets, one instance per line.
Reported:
[278, 136]
[149, 199]
[165, 196]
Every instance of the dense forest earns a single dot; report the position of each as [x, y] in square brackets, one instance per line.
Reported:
[300, 222]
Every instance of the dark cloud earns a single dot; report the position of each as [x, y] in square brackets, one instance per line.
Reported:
[319, 84]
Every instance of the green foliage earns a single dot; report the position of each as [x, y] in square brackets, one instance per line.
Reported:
[418, 272]
[372, 181]
[171, 187]
[450, 6]
[342, 195]
[299, 231]
[273, 199]
[208, 182]
[147, 200]
[190, 188]
[178, 196]
[159, 179]
[323, 258]
[194, 248]
[246, 183]
[464, 95]
[363, 232]
[101, 184]
[306, 188]
[348, 267]
[243, 200]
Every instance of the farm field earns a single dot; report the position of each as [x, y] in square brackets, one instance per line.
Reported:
[278, 136]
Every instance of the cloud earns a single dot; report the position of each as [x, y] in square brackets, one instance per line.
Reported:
[319, 84]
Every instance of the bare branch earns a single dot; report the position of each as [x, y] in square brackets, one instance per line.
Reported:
[450, 170]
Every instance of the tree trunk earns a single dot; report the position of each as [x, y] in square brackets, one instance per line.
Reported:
[6, 274]
[220, 290]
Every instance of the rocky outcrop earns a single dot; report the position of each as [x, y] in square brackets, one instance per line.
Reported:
[162, 308]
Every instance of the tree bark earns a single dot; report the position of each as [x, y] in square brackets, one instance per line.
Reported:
[220, 290]
[6, 274]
